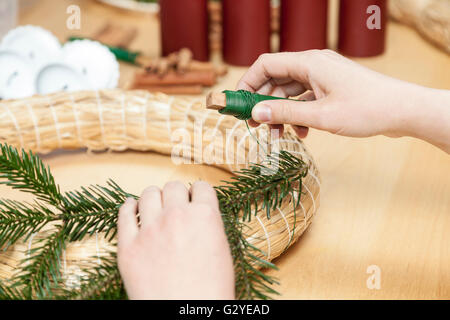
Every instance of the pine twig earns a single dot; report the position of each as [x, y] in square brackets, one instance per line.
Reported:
[93, 210]
[242, 195]
[28, 173]
[9, 292]
[101, 282]
[40, 271]
[21, 220]
[249, 186]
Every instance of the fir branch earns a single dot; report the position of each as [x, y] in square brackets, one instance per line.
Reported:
[9, 292]
[242, 195]
[21, 220]
[249, 186]
[40, 271]
[101, 282]
[92, 210]
[250, 282]
[28, 173]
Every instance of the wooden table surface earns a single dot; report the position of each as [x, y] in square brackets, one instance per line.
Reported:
[384, 202]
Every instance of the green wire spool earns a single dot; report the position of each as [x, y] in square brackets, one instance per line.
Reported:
[241, 103]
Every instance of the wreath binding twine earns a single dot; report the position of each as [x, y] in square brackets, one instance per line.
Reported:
[138, 120]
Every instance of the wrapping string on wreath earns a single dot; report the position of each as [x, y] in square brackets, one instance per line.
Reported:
[35, 124]
[100, 116]
[55, 119]
[15, 123]
[240, 104]
[76, 117]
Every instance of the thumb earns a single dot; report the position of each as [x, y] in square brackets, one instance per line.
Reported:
[300, 113]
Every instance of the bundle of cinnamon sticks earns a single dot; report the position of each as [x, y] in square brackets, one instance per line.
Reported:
[177, 73]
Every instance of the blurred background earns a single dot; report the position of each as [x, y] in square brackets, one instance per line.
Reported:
[411, 44]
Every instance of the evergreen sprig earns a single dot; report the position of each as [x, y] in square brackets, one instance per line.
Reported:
[40, 270]
[93, 209]
[10, 292]
[100, 282]
[269, 184]
[74, 215]
[20, 220]
[28, 173]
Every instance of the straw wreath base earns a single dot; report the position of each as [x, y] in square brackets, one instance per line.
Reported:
[119, 120]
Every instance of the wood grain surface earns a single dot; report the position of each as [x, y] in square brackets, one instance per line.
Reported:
[384, 202]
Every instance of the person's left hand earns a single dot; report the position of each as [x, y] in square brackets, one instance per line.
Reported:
[180, 250]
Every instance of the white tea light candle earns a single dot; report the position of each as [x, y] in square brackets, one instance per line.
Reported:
[38, 45]
[94, 61]
[59, 77]
[16, 76]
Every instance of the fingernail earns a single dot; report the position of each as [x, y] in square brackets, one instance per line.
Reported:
[262, 113]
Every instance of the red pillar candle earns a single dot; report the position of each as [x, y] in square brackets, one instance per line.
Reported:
[246, 30]
[303, 25]
[362, 27]
[184, 24]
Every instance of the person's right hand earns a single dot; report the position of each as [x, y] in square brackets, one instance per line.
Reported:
[343, 97]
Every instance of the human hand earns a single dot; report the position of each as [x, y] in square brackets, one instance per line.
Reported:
[342, 96]
[180, 250]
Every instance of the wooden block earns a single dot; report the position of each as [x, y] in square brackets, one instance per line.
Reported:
[216, 101]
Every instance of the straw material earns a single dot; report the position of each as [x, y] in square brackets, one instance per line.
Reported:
[138, 120]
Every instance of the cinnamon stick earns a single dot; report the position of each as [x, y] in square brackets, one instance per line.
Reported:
[171, 89]
[162, 65]
[205, 78]
[219, 70]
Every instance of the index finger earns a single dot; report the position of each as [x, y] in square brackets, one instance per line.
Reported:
[127, 227]
[284, 65]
